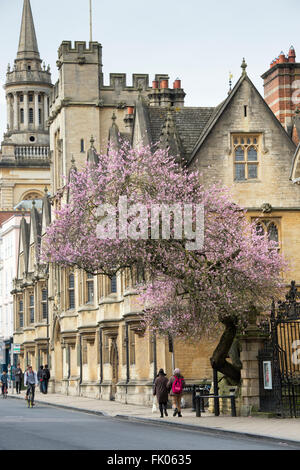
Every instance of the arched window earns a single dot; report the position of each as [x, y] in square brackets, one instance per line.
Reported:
[22, 116]
[273, 232]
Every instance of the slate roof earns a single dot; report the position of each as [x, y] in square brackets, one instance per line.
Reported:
[189, 122]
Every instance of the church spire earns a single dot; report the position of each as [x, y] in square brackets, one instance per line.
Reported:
[28, 48]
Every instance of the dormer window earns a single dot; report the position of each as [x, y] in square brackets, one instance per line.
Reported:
[245, 152]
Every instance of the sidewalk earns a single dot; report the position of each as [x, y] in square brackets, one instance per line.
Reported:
[282, 429]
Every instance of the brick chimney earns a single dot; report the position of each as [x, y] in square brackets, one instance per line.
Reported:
[282, 90]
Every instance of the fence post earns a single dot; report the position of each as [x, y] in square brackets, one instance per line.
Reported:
[202, 400]
[194, 398]
[198, 409]
[216, 392]
[232, 399]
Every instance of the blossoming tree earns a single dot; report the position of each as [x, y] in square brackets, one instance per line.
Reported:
[190, 291]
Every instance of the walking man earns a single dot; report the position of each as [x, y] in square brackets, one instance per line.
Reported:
[18, 378]
[46, 378]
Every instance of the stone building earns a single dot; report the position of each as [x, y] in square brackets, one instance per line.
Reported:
[25, 152]
[87, 327]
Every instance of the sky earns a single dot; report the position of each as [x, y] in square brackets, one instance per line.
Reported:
[198, 41]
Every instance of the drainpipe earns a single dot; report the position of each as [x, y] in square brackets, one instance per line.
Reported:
[101, 355]
[154, 356]
[80, 360]
[127, 354]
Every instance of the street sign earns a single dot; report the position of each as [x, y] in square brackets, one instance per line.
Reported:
[17, 348]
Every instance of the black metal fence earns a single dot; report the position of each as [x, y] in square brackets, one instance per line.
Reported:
[279, 360]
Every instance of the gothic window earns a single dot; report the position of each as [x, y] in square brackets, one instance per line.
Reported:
[21, 313]
[71, 291]
[90, 288]
[245, 157]
[268, 228]
[273, 232]
[44, 303]
[30, 115]
[113, 285]
[31, 308]
[81, 145]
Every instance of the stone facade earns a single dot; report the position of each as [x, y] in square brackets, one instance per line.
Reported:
[87, 328]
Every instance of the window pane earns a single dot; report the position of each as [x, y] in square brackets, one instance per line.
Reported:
[113, 284]
[260, 230]
[239, 154]
[273, 232]
[90, 291]
[71, 281]
[252, 171]
[71, 299]
[252, 154]
[240, 171]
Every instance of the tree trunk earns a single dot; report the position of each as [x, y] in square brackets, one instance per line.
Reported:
[218, 360]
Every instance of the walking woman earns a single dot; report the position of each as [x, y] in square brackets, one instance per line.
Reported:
[175, 387]
[161, 392]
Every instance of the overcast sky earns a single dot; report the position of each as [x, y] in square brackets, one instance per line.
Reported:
[197, 41]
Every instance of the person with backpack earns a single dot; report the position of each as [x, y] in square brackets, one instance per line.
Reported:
[161, 392]
[46, 378]
[175, 387]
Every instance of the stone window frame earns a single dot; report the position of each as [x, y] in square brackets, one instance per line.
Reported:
[246, 141]
[31, 310]
[44, 302]
[266, 222]
[89, 287]
[20, 299]
[71, 302]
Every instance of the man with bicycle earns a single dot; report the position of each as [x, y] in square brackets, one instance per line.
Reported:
[30, 380]
[4, 383]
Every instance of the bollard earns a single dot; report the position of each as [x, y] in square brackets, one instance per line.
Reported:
[198, 409]
[194, 398]
[232, 399]
[202, 400]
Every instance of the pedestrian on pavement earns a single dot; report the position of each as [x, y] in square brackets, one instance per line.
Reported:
[46, 378]
[161, 392]
[4, 378]
[18, 378]
[40, 378]
[175, 387]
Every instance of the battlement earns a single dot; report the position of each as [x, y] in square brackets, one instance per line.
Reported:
[81, 52]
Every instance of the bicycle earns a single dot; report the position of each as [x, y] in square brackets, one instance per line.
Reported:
[4, 391]
[29, 397]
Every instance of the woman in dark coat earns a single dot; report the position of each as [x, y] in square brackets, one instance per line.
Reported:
[161, 392]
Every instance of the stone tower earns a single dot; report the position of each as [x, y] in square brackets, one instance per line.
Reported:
[24, 157]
